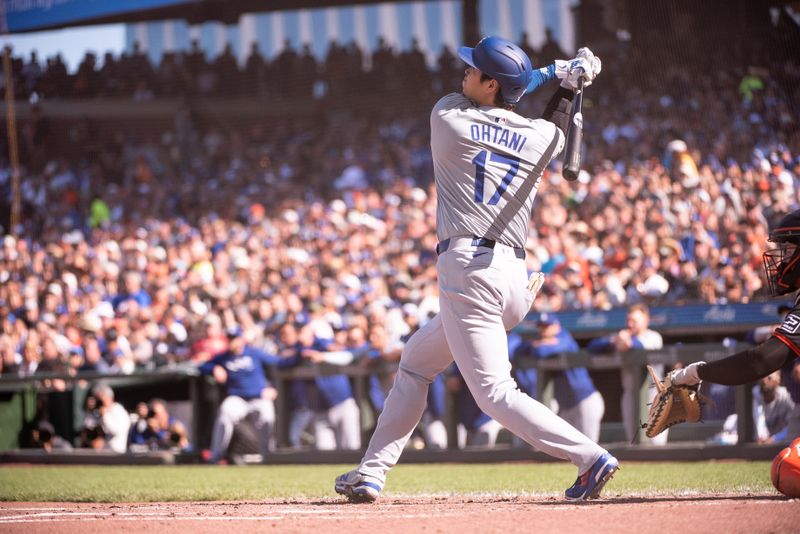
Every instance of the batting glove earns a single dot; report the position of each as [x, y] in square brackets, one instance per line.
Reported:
[584, 65]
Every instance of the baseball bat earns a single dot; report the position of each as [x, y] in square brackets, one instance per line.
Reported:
[572, 150]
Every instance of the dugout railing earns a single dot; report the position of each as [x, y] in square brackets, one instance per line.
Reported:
[22, 397]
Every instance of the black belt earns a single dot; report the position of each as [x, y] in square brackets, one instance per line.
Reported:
[519, 252]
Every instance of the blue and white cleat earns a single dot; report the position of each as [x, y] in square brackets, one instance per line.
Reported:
[357, 487]
[590, 484]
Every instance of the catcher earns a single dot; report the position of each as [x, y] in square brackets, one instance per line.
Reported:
[676, 399]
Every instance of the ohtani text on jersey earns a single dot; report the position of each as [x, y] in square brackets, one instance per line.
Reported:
[490, 133]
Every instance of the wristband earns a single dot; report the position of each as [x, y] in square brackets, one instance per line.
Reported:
[541, 77]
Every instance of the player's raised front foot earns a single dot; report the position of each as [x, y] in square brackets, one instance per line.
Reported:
[357, 487]
[590, 484]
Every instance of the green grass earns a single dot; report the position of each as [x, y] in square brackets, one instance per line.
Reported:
[206, 483]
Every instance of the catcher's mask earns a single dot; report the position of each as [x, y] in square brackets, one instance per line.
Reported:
[782, 264]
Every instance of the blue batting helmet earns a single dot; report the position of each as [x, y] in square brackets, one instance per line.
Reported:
[502, 60]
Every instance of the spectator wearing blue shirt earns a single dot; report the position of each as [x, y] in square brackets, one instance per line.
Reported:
[380, 348]
[141, 435]
[300, 413]
[336, 417]
[579, 402]
[132, 290]
[248, 393]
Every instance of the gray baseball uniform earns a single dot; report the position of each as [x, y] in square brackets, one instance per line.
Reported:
[487, 163]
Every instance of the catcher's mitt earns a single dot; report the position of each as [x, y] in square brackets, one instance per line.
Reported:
[671, 405]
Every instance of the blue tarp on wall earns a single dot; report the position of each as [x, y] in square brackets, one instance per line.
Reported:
[30, 15]
[672, 318]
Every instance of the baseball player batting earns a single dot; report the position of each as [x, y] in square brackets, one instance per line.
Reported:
[488, 162]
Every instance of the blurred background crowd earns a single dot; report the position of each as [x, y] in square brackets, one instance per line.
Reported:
[139, 249]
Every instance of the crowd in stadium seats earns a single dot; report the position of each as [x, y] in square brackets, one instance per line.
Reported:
[291, 73]
[126, 255]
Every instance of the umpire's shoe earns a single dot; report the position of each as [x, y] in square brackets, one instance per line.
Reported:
[357, 487]
[590, 484]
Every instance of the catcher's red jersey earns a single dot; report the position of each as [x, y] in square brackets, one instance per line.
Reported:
[789, 330]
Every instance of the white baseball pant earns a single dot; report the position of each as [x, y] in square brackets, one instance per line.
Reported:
[482, 295]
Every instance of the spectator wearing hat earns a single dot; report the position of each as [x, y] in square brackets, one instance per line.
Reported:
[636, 335]
[579, 402]
[249, 393]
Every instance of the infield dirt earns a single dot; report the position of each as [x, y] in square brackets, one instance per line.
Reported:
[752, 513]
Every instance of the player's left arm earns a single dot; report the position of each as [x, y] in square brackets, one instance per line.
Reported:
[559, 108]
[748, 365]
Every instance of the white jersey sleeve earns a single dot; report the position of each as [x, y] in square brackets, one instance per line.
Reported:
[487, 165]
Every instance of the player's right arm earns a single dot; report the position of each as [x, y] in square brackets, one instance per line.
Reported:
[559, 108]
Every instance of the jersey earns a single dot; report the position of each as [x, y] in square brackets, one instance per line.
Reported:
[246, 376]
[789, 333]
[789, 330]
[570, 386]
[488, 163]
